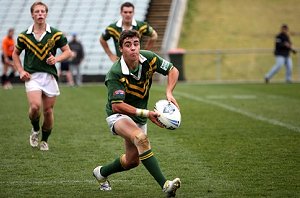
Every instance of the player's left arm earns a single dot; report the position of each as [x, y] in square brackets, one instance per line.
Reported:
[151, 40]
[172, 80]
[66, 54]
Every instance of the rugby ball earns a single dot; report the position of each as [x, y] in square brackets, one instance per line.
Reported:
[170, 116]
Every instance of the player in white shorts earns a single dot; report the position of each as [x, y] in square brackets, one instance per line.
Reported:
[40, 42]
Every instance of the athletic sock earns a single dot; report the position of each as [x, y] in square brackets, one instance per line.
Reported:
[111, 168]
[36, 124]
[151, 164]
[45, 134]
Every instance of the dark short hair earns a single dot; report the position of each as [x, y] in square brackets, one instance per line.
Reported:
[284, 26]
[38, 3]
[126, 4]
[128, 34]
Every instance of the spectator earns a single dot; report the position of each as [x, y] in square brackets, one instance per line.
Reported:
[77, 58]
[65, 70]
[283, 47]
[7, 50]
[127, 22]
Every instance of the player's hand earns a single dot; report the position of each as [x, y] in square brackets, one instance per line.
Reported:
[153, 117]
[294, 51]
[24, 75]
[113, 58]
[171, 98]
[51, 60]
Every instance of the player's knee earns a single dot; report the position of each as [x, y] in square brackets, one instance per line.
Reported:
[142, 143]
[48, 112]
[34, 109]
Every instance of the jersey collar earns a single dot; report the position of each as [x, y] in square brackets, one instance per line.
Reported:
[125, 69]
[30, 29]
[119, 23]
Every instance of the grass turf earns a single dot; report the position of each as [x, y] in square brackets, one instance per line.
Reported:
[236, 140]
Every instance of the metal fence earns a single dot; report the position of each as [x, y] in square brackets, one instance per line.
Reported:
[233, 65]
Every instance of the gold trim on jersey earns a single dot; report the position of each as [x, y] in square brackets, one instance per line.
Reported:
[41, 53]
[114, 32]
[143, 29]
[140, 91]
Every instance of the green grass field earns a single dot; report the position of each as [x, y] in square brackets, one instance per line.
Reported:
[236, 140]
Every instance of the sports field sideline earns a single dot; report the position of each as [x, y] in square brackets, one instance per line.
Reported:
[236, 140]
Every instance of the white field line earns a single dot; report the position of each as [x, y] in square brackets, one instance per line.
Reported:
[240, 111]
[51, 182]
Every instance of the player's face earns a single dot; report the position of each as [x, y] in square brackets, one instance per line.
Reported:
[131, 49]
[127, 14]
[39, 14]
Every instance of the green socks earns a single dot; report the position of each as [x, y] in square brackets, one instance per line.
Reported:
[151, 164]
[114, 167]
[36, 124]
[45, 134]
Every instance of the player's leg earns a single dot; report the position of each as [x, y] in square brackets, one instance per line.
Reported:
[130, 131]
[48, 105]
[35, 102]
[289, 67]
[276, 67]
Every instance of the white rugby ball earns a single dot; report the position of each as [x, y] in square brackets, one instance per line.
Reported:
[170, 116]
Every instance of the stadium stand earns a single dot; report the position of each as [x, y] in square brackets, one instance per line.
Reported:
[86, 18]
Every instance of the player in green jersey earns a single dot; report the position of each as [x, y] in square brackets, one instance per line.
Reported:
[40, 42]
[127, 22]
[128, 83]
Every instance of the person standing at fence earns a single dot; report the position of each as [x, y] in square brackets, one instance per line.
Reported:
[283, 47]
[40, 42]
[77, 58]
[8, 44]
[127, 22]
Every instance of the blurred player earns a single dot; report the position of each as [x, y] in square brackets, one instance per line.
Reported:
[40, 42]
[128, 83]
[127, 22]
[283, 47]
[7, 49]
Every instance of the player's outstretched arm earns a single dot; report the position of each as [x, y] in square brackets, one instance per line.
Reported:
[172, 80]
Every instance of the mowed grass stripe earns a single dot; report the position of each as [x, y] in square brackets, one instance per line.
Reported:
[240, 111]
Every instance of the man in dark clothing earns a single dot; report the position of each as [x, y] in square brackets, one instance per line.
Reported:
[283, 47]
[77, 58]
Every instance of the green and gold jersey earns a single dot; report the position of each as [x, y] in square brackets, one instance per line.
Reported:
[114, 30]
[37, 52]
[132, 87]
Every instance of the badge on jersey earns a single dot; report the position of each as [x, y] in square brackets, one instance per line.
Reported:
[165, 65]
[119, 92]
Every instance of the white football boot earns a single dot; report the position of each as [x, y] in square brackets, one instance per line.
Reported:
[170, 187]
[104, 183]
[44, 146]
[34, 138]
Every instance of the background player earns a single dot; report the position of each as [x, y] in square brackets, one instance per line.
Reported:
[127, 22]
[40, 42]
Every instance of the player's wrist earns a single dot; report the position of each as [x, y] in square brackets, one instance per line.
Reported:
[142, 112]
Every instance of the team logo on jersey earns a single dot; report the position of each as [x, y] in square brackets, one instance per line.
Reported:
[164, 65]
[50, 43]
[119, 92]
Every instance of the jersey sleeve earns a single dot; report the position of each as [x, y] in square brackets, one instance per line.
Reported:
[106, 35]
[20, 42]
[163, 66]
[116, 89]
[62, 41]
[145, 29]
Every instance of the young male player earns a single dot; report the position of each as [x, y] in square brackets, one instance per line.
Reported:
[128, 83]
[127, 22]
[40, 42]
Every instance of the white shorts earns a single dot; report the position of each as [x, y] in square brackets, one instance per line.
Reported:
[44, 82]
[111, 120]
